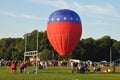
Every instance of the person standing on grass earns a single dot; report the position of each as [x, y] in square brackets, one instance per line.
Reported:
[73, 66]
[113, 67]
[15, 63]
[8, 64]
[0, 63]
[25, 65]
[13, 67]
[21, 67]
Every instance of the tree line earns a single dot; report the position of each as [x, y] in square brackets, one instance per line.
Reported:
[87, 49]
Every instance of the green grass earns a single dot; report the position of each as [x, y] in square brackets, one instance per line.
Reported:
[56, 73]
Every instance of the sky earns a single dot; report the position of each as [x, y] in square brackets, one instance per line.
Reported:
[99, 17]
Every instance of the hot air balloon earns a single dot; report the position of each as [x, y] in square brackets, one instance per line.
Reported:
[64, 30]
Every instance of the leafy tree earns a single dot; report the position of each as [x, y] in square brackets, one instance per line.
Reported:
[45, 55]
[96, 50]
[116, 50]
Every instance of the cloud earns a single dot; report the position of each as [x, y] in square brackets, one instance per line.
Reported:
[100, 23]
[54, 3]
[96, 16]
[25, 16]
[97, 10]
[107, 10]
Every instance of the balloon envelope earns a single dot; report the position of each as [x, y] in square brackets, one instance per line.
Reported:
[64, 31]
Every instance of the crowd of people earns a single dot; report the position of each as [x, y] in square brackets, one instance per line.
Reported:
[77, 67]
[12, 65]
[86, 66]
[80, 67]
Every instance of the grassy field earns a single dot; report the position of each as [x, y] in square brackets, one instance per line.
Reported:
[56, 73]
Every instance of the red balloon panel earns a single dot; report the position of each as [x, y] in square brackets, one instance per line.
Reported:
[64, 36]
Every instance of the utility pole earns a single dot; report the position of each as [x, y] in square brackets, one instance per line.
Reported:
[25, 37]
[37, 54]
[110, 56]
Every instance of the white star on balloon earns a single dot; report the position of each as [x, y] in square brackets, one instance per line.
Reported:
[58, 19]
[71, 18]
[52, 19]
[64, 18]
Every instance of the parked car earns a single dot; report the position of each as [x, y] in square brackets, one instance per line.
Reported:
[117, 62]
[104, 63]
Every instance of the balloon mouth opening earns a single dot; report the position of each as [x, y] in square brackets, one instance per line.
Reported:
[64, 54]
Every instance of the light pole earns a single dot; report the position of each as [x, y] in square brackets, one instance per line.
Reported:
[25, 37]
[34, 53]
[110, 56]
[37, 54]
